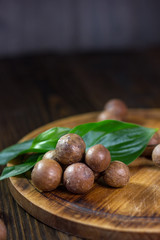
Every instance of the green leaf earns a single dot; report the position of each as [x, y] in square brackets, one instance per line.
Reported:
[47, 140]
[20, 168]
[125, 141]
[42, 143]
[13, 151]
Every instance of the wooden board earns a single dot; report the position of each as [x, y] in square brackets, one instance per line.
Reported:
[132, 212]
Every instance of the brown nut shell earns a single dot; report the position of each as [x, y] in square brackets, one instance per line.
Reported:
[50, 155]
[117, 106]
[154, 141]
[148, 151]
[117, 174]
[78, 178]
[46, 174]
[3, 230]
[105, 115]
[156, 155]
[70, 149]
[98, 158]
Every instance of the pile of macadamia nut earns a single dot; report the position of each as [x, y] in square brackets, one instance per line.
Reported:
[76, 169]
[71, 165]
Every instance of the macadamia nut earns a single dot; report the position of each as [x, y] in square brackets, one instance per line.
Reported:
[156, 155]
[78, 178]
[50, 155]
[106, 115]
[117, 174]
[46, 174]
[70, 149]
[98, 158]
[117, 106]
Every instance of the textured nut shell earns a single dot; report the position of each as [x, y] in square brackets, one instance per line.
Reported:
[3, 231]
[50, 155]
[46, 174]
[156, 155]
[116, 106]
[98, 158]
[105, 115]
[70, 149]
[117, 174]
[78, 178]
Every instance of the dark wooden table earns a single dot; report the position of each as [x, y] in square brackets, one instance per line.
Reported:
[35, 90]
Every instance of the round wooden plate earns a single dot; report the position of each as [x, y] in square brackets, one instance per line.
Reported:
[131, 212]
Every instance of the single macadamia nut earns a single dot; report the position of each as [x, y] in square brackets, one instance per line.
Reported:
[98, 158]
[46, 174]
[78, 178]
[155, 140]
[106, 115]
[117, 106]
[70, 149]
[3, 231]
[156, 155]
[50, 155]
[117, 174]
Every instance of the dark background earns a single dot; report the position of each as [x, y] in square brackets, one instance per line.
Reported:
[61, 58]
[65, 26]
[40, 88]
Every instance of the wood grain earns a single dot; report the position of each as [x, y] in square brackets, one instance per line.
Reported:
[43, 87]
[104, 213]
